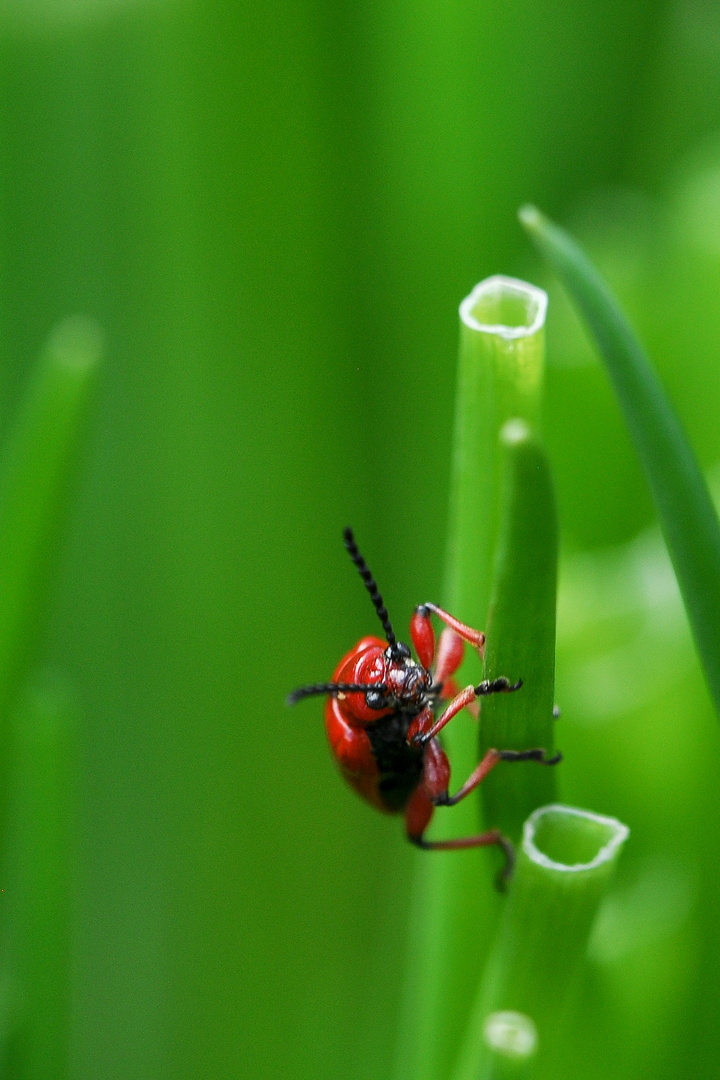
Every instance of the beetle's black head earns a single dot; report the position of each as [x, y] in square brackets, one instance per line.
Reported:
[407, 681]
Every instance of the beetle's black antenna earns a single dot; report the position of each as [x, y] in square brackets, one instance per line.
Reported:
[369, 583]
[334, 688]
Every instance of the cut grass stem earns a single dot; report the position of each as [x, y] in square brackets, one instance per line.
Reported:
[565, 862]
[500, 377]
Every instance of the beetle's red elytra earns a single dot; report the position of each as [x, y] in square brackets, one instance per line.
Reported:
[380, 718]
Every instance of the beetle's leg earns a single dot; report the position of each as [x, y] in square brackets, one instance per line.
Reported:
[488, 763]
[422, 636]
[491, 838]
[476, 638]
[420, 732]
[456, 705]
[460, 701]
[419, 727]
[448, 659]
[419, 812]
[450, 649]
[536, 754]
[449, 690]
[449, 655]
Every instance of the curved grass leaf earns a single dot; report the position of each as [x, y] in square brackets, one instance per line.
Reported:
[687, 516]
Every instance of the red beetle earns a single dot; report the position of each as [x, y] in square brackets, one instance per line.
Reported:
[381, 724]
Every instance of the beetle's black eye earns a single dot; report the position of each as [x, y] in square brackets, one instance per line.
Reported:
[375, 699]
[400, 651]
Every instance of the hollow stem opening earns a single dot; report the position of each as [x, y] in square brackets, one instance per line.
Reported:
[505, 306]
[564, 864]
[563, 839]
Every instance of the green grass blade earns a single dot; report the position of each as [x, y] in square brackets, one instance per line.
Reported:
[500, 376]
[687, 516]
[521, 634]
[564, 865]
[35, 470]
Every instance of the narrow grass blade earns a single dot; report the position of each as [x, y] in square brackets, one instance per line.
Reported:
[564, 865]
[500, 376]
[687, 516]
[35, 469]
[521, 634]
[39, 858]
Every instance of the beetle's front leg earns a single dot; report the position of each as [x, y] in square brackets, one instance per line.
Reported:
[420, 726]
[450, 650]
[447, 658]
[473, 637]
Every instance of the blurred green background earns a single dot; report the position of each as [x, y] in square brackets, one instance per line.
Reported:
[274, 211]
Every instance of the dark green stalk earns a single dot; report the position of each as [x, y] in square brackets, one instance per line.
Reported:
[687, 516]
[521, 633]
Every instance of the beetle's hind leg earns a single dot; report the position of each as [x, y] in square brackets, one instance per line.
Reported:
[432, 791]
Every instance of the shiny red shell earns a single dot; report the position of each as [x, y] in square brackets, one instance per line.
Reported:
[347, 714]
